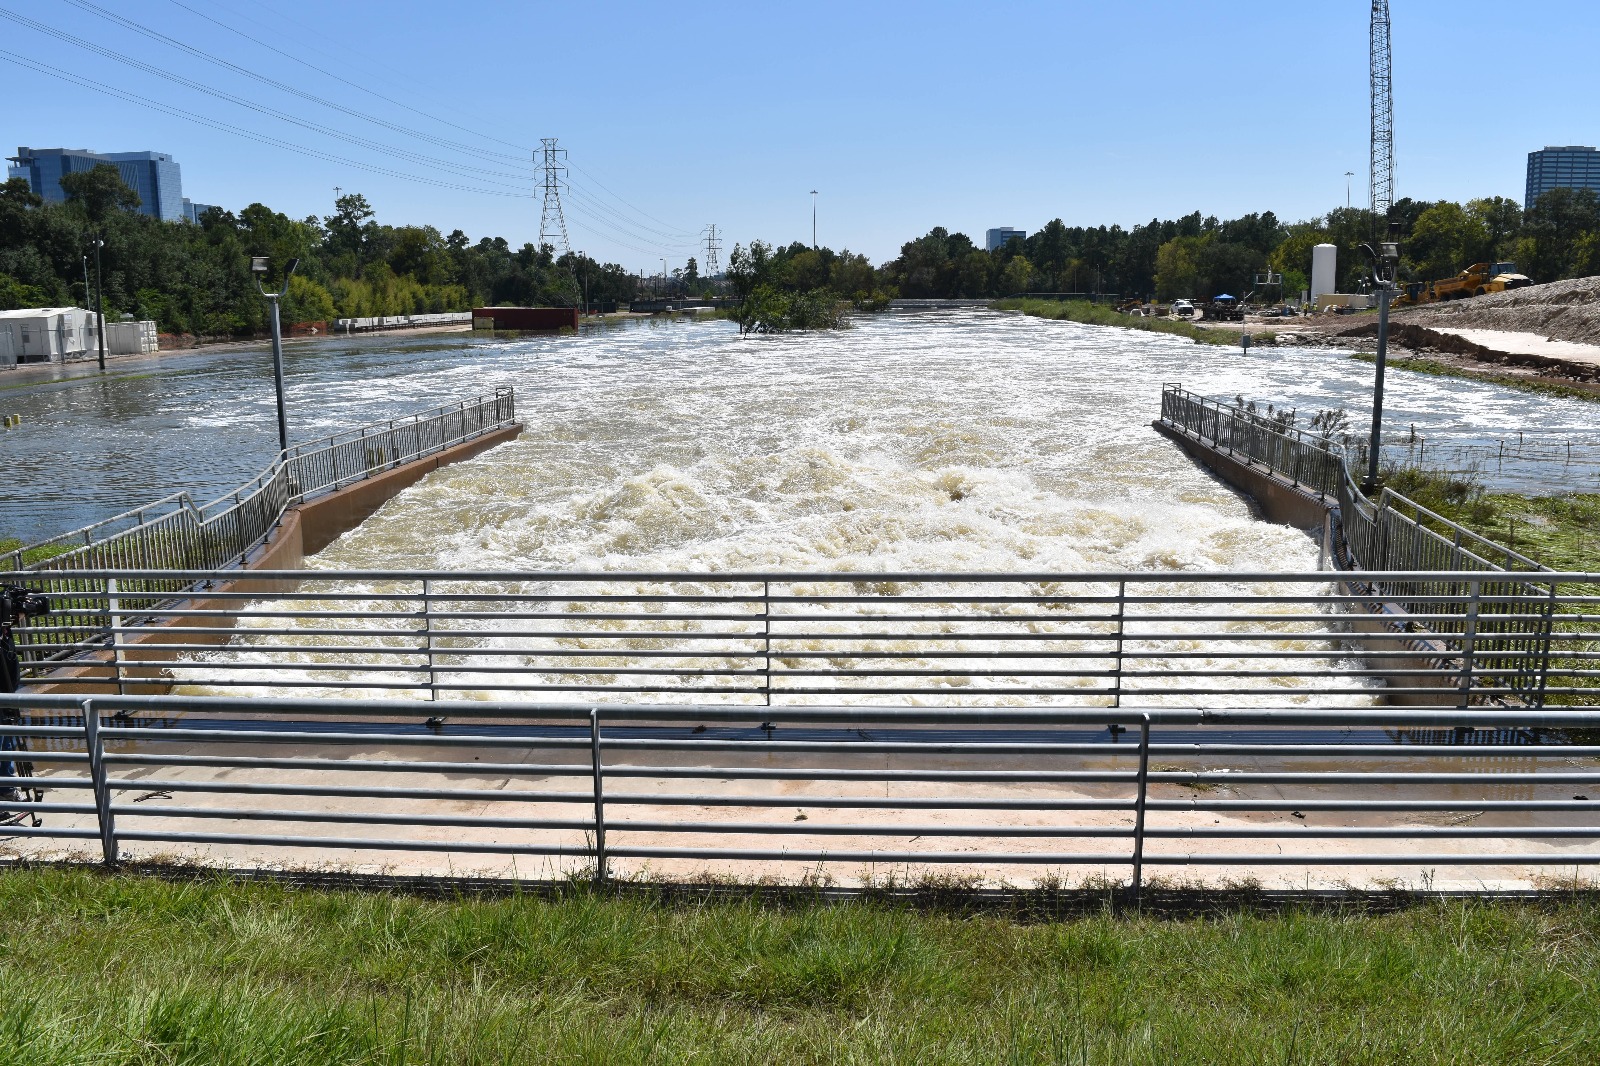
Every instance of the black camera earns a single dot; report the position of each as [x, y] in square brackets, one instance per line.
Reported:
[17, 602]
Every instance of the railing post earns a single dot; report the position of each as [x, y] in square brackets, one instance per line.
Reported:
[1469, 641]
[97, 776]
[1138, 810]
[600, 872]
[1116, 670]
[427, 636]
[766, 643]
[114, 612]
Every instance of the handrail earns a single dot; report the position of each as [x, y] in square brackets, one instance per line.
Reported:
[221, 534]
[1379, 536]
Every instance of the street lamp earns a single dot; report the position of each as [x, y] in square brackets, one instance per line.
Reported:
[260, 266]
[99, 304]
[813, 220]
[1385, 264]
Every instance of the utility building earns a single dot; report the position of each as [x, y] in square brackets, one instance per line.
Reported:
[46, 335]
[155, 176]
[1570, 167]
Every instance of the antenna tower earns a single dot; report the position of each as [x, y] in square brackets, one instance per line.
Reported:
[1381, 180]
[713, 248]
[552, 223]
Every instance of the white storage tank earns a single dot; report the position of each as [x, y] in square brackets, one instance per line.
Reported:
[1324, 272]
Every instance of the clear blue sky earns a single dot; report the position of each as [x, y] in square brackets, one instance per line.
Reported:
[905, 116]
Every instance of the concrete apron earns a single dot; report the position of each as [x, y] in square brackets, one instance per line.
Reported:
[305, 529]
[1281, 500]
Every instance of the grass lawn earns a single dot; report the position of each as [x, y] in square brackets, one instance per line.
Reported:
[130, 969]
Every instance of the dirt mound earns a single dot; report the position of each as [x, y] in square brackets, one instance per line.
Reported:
[1422, 340]
[1562, 310]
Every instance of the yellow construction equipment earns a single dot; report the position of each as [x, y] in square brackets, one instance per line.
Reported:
[1476, 280]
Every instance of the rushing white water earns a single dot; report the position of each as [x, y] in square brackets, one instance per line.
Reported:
[957, 442]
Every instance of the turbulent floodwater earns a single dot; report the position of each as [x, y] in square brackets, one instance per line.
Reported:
[963, 442]
[1034, 404]
[955, 442]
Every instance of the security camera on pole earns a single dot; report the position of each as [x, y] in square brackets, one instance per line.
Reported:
[260, 266]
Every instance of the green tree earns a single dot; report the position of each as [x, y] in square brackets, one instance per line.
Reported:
[1016, 277]
[1178, 268]
[98, 192]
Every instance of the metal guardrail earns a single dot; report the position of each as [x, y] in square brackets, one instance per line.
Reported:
[1394, 533]
[802, 793]
[1083, 725]
[765, 639]
[174, 534]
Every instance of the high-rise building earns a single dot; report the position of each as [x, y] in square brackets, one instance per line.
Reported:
[996, 238]
[1570, 167]
[153, 175]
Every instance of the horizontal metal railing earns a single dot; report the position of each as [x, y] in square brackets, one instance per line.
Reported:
[1422, 639]
[1347, 796]
[1392, 533]
[174, 534]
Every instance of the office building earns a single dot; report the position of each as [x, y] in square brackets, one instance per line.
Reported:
[1570, 167]
[996, 238]
[154, 176]
[194, 212]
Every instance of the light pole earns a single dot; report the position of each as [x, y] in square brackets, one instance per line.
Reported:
[260, 265]
[813, 220]
[1384, 265]
[99, 303]
[1347, 176]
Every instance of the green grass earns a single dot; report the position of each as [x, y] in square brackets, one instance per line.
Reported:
[133, 970]
[1101, 315]
[33, 555]
[1562, 532]
[1510, 381]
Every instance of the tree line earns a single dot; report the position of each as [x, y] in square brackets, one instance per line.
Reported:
[196, 278]
[1201, 257]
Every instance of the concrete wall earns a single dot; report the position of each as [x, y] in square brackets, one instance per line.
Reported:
[1278, 499]
[304, 530]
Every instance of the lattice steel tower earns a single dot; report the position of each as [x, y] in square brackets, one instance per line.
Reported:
[1381, 179]
[552, 223]
[713, 248]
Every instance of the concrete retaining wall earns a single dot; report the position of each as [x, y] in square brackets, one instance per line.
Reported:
[1278, 499]
[305, 529]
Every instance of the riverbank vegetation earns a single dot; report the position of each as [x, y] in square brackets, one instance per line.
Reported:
[1562, 532]
[196, 279]
[770, 310]
[134, 969]
[1100, 315]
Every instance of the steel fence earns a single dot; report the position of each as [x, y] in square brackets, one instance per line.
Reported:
[768, 639]
[1392, 533]
[1358, 796]
[173, 534]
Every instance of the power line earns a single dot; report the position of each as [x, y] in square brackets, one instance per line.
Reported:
[477, 173]
[198, 53]
[262, 138]
[552, 223]
[353, 84]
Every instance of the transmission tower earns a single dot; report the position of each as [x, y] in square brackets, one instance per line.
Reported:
[552, 223]
[713, 247]
[1382, 175]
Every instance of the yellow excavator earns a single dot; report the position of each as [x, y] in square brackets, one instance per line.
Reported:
[1476, 280]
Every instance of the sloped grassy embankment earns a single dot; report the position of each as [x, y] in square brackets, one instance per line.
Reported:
[133, 969]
